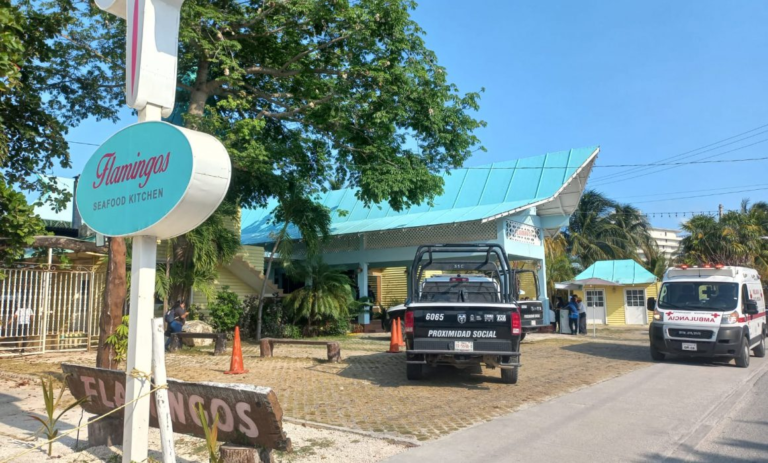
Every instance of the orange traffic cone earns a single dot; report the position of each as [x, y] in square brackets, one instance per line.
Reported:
[236, 365]
[400, 340]
[394, 343]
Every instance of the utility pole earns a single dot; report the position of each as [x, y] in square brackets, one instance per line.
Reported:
[719, 212]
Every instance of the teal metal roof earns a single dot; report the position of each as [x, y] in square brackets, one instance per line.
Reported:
[470, 194]
[625, 272]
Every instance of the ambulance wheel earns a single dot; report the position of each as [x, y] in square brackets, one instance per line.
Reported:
[656, 355]
[414, 372]
[509, 375]
[760, 349]
[742, 361]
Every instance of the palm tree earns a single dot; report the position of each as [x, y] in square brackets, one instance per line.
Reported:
[327, 293]
[654, 260]
[735, 239]
[558, 262]
[633, 226]
[602, 229]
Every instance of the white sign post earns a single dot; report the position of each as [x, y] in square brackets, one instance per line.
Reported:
[149, 181]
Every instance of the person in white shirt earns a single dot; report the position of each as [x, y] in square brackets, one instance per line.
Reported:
[22, 319]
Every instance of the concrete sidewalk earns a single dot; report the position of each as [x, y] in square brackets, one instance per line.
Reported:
[647, 415]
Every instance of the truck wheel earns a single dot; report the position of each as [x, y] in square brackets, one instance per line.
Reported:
[656, 355]
[742, 361]
[509, 375]
[414, 372]
[760, 349]
[522, 336]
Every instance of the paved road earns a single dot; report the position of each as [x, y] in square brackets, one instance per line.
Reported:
[673, 411]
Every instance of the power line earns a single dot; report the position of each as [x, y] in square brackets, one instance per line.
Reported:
[681, 192]
[631, 171]
[699, 196]
[685, 163]
[601, 183]
[82, 143]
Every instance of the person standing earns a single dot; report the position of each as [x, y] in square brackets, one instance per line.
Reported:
[573, 316]
[22, 320]
[175, 317]
[582, 316]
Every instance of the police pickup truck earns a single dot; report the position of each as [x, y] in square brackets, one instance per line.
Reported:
[466, 316]
[709, 311]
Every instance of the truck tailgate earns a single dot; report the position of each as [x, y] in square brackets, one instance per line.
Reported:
[475, 328]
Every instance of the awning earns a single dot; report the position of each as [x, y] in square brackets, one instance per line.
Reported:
[580, 284]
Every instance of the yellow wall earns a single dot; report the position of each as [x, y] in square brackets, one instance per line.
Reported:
[225, 278]
[254, 255]
[394, 286]
[615, 303]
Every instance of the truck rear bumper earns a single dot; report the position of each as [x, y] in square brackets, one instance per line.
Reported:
[501, 360]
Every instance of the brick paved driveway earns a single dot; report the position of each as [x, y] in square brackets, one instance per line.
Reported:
[368, 389]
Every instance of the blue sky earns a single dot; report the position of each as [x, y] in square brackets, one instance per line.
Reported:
[645, 80]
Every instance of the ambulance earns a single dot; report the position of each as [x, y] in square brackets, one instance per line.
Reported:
[709, 311]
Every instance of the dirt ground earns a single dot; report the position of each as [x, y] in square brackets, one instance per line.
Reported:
[368, 390]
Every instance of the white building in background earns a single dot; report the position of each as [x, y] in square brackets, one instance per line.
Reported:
[667, 239]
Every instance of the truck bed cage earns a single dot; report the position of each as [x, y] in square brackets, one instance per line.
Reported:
[495, 262]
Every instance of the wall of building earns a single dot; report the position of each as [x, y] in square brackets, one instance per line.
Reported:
[224, 278]
[394, 285]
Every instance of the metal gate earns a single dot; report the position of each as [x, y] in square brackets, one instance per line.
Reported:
[48, 308]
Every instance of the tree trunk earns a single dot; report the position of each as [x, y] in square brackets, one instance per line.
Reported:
[264, 288]
[114, 301]
[231, 453]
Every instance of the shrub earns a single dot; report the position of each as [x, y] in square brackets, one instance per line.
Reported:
[338, 327]
[225, 311]
[119, 340]
[291, 332]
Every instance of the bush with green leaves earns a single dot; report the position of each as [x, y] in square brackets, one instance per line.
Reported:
[337, 327]
[292, 332]
[119, 340]
[225, 311]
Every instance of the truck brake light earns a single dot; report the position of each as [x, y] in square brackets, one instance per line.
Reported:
[409, 322]
[516, 325]
[459, 280]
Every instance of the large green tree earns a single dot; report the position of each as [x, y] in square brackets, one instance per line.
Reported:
[737, 238]
[305, 93]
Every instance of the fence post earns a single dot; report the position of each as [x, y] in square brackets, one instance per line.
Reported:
[46, 301]
[89, 311]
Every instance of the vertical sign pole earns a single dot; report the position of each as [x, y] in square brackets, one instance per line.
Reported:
[161, 395]
[139, 364]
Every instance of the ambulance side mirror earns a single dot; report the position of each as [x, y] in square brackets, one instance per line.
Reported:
[651, 304]
[750, 308]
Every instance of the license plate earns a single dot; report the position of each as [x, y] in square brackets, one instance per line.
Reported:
[689, 346]
[463, 346]
[533, 322]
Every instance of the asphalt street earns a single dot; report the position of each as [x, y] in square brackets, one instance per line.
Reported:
[671, 411]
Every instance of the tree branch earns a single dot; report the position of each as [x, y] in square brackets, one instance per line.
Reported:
[62, 242]
[289, 73]
[289, 113]
[312, 50]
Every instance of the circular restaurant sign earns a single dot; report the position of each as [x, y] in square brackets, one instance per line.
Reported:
[153, 179]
